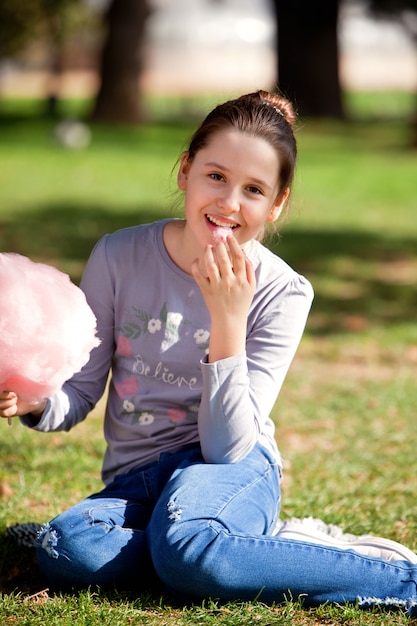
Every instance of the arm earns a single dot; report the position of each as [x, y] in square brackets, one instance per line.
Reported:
[78, 396]
[241, 389]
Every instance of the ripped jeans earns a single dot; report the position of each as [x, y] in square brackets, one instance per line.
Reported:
[207, 532]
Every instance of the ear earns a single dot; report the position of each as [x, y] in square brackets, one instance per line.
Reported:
[277, 207]
[183, 172]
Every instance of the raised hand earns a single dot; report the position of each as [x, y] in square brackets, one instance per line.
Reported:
[227, 282]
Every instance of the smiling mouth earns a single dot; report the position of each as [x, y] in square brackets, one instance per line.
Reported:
[220, 224]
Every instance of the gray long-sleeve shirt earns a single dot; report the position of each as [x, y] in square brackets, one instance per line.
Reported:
[154, 329]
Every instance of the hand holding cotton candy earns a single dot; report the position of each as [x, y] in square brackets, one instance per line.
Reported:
[47, 329]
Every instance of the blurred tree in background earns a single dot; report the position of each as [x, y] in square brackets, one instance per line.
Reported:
[394, 7]
[17, 20]
[118, 99]
[53, 21]
[308, 53]
[22, 23]
[307, 48]
[404, 11]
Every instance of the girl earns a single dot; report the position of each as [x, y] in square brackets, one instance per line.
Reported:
[199, 323]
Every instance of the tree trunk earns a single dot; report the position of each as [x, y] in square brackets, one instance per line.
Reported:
[119, 98]
[308, 56]
[414, 126]
[54, 22]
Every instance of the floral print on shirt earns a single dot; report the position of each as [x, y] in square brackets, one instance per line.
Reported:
[139, 325]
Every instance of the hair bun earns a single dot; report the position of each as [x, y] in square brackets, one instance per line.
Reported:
[280, 104]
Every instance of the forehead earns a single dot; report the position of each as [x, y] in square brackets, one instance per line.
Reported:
[240, 150]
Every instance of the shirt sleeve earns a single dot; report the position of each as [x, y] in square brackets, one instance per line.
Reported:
[239, 392]
[78, 396]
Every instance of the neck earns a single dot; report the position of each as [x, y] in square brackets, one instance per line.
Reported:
[176, 246]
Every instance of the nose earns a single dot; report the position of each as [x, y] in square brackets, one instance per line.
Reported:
[228, 201]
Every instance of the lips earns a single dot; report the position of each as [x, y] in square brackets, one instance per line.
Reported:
[221, 229]
[215, 222]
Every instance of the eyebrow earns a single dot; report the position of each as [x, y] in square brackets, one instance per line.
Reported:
[256, 181]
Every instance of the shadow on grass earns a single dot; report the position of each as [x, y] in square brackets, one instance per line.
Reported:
[19, 570]
[360, 278]
[64, 235]
[20, 573]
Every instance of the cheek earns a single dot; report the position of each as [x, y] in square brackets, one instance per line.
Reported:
[257, 215]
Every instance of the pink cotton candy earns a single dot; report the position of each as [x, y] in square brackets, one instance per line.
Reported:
[47, 329]
[221, 234]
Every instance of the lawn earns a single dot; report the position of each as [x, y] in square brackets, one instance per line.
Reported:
[346, 415]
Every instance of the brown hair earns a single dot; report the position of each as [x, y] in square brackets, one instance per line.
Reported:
[261, 114]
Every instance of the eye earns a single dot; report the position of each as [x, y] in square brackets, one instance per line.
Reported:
[255, 190]
[216, 176]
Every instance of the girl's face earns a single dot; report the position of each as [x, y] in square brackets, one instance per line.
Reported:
[232, 183]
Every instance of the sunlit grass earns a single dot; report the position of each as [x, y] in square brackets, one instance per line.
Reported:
[346, 415]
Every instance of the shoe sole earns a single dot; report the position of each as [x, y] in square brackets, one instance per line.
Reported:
[368, 545]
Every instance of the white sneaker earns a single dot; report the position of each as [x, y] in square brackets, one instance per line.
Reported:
[308, 530]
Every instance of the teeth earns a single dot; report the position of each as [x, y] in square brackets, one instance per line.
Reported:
[219, 223]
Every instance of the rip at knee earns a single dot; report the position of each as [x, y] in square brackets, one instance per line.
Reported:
[48, 540]
[174, 511]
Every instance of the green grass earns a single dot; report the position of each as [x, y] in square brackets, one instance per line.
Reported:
[346, 415]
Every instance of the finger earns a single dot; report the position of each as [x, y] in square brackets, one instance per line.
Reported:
[237, 256]
[9, 411]
[7, 395]
[223, 259]
[8, 403]
[212, 262]
[250, 272]
[199, 273]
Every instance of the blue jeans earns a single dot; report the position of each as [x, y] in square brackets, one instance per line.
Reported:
[206, 531]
